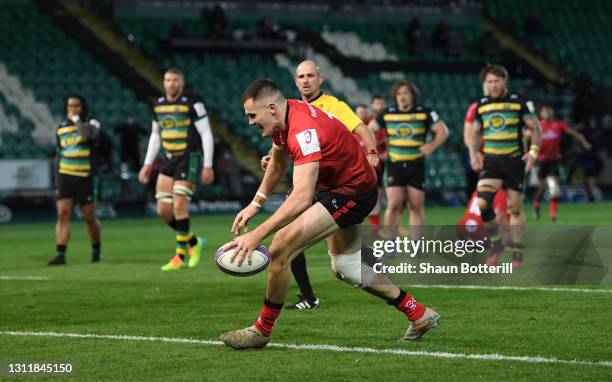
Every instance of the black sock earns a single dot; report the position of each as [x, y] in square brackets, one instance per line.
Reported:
[193, 240]
[95, 248]
[182, 231]
[398, 299]
[272, 305]
[60, 249]
[172, 223]
[298, 268]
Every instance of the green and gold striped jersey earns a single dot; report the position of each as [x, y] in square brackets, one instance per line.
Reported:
[406, 131]
[176, 123]
[76, 154]
[502, 121]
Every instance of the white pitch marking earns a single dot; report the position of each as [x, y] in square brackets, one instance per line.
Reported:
[326, 347]
[24, 278]
[513, 288]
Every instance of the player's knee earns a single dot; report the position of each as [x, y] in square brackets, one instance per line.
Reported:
[63, 215]
[394, 205]
[416, 209]
[348, 268]
[164, 203]
[182, 191]
[279, 249]
[515, 209]
[485, 203]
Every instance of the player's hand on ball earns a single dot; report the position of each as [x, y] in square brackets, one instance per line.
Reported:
[242, 219]
[208, 175]
[245, 245]
[264, 161]
[145, 174]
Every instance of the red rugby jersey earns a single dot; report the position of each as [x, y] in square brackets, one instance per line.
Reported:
[314, 135]
[552, 132]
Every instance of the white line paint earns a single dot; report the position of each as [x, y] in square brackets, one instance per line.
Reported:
[513, 288]
[326, 347]
[25, 278]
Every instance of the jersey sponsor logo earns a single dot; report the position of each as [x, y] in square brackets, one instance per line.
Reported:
[199, 109]
[309, 141]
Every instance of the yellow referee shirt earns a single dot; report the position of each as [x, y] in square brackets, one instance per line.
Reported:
[338, 109]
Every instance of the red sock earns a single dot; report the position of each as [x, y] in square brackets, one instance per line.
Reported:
[267, 318]
[553, 208]
[374, 220]
[412, 309]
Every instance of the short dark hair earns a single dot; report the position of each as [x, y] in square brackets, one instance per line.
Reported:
[496, 70]
[416, 93]
[174, 71]
[263, 87]
[84, 108]
[377, 96]
[361, 105]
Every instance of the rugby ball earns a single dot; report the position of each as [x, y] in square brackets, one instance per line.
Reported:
[261, 259]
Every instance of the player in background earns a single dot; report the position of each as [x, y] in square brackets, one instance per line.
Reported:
[377, 106]
[501, 118]
[309, 80]
[76, 180]
[407, 125]
[549, 158]
[325, 155]
[180, 125]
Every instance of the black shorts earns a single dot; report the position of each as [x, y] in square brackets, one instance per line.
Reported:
[511, 170]
[548, 168]
[380, 174]
[83, 190]
[348, 210]
[406, 173]
[182, 167]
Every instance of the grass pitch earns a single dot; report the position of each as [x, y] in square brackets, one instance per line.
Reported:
[128, 295]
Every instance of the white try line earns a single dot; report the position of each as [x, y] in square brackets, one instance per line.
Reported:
[326, 347]
[513, 288]
[23, 278]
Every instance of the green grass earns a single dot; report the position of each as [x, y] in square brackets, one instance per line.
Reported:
[127, 294]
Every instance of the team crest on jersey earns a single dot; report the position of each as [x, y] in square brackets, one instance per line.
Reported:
[167, 122]
[404, 130]
[497, 122]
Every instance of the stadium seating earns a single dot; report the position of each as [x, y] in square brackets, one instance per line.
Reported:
[52, 66]
[449, 94]
[575, 34]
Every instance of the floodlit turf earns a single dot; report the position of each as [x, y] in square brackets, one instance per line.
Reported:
[128, 295]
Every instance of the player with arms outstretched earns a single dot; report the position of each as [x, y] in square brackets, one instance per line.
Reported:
[549, 158]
